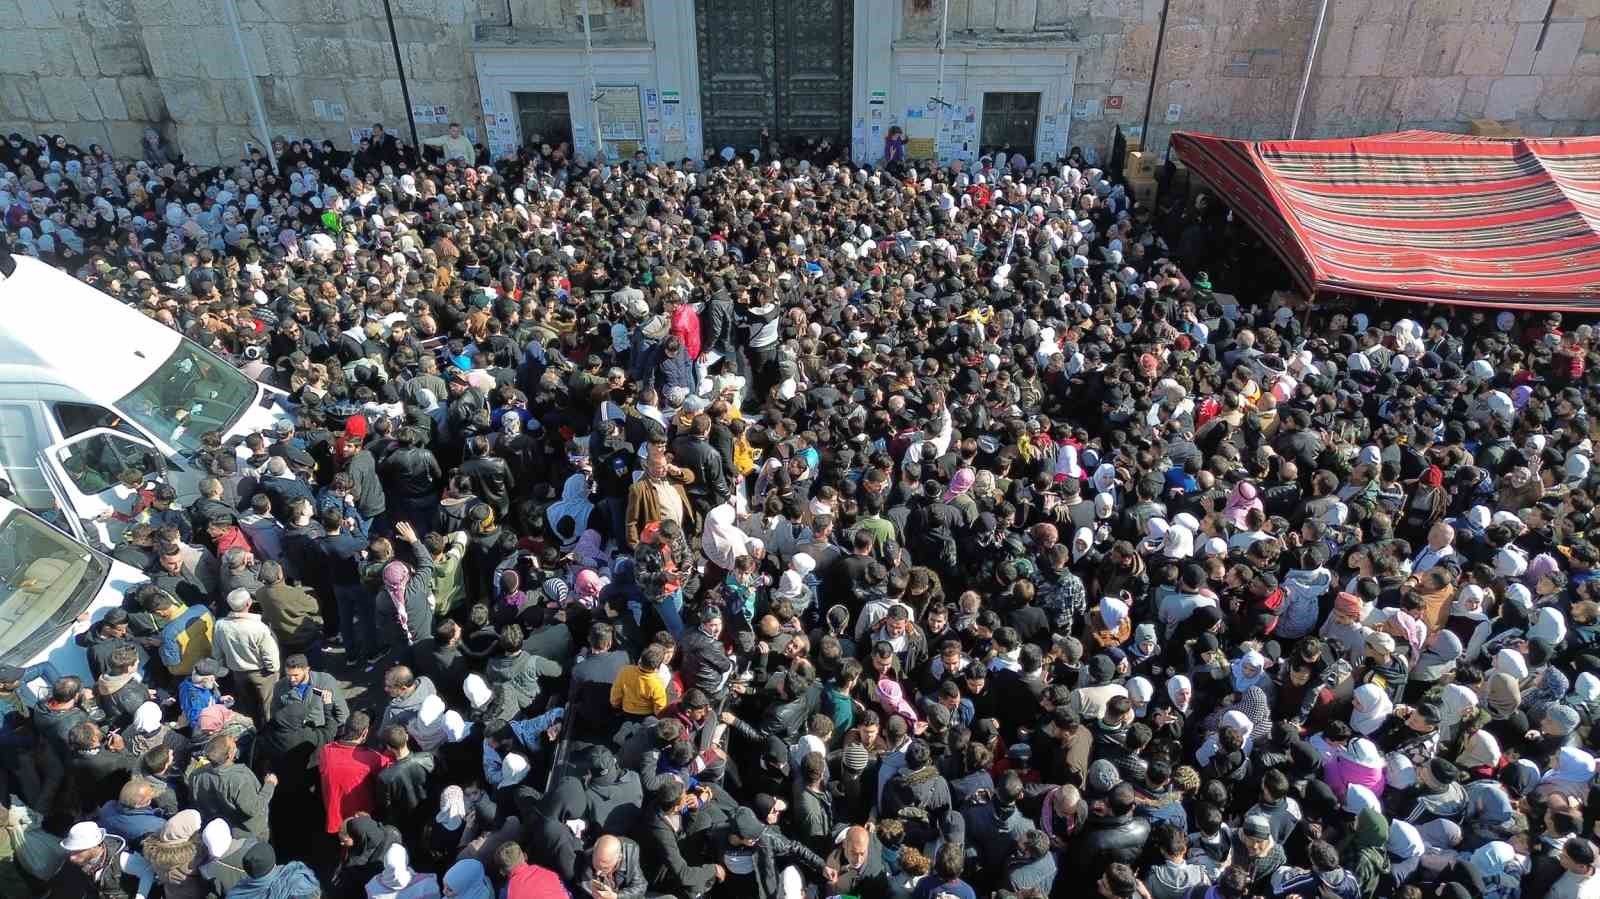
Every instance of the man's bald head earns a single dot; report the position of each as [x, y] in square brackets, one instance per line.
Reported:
[856, 843]
[607, 853]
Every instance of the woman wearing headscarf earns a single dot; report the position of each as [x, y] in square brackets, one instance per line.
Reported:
[722, 542]
[398, 880]
[174, 853]
[569, 516]
[1435, 665]
[1503, 698]
[1405, 850]
[1572, 774]
[1357, 764]
[453, 826]
[1481, 756]
[1501, 869]
[1250, 670]
[365, 842]
[1170, 710]
[466, 880]
[1370, 709]
[1110, 624]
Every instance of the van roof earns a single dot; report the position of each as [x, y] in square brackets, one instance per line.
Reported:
[95, 343]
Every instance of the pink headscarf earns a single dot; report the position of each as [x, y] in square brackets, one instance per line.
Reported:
[1241, 500]
[1415, 631]
[395, 577]
[960, 483]
[894, 702]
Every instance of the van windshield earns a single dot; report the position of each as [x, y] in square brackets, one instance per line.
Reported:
[191, 393]
[46, 580]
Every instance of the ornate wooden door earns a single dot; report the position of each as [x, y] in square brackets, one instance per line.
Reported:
[783, 65]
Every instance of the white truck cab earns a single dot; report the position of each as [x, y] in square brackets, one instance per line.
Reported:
[52, 585]
[90, 389]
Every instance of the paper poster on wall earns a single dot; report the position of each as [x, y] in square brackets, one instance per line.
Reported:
[879, 98]
[1174, 112]
[319, 108]
[357, 135]
[650, 99]
[919, 148]
[621, 116]
[471, 132]
[338, 112]
[669, 98]
[488, 105]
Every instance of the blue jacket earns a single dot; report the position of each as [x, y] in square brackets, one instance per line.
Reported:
[193, 700]
[132, 824]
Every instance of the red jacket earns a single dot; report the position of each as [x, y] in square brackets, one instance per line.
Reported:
[686, 327]
[535, 882]
[349, 781]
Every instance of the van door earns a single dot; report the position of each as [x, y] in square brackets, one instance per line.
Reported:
[93, 472]
[23, 433]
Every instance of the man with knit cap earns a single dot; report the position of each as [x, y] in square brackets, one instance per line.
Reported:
[246, 647]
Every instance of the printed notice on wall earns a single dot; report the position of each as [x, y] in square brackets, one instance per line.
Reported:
[621, 113]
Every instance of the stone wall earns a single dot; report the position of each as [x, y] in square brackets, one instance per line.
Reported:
[100, 71]
[1233, 67]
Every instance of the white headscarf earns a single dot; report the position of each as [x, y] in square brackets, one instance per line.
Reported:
[1371, 707]
[723, 541]
[1364, 753]
[1456, 702]
[1112, 612]
[1177, 684]
[1406, 849]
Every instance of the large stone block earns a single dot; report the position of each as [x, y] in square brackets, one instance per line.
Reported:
[198, 142]
[1570, 98]
[122, 138]
[1333, 58]
[1369, 49]
[144, 99]
[1520, 60]
[1586, 64]
[1513, 97]
[1138, 50]
[1430, 98]
[1575, 9]
[193, 101]
[70, 100]
[1561, 45]
[1526, 10]
[1443, 51]
[1057, 12]
[1484, 50]
[108, 96]
[1187, 52]
[1331, 99]
[1475, 96]
[981, 15]
[33, 98]
[38, 13]
[22, 55]
[1406, 49]
[117, 52]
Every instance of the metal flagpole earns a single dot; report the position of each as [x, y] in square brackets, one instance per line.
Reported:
[405, 90]
[938, 122]
[594, 89]
[250, 84]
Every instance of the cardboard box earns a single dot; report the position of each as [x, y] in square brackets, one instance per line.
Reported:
[1494, 128]
[1140, 163]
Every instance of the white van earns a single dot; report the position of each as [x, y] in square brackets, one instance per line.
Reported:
[51, 587]
[90, 388]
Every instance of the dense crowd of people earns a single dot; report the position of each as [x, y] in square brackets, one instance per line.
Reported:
[784, 527]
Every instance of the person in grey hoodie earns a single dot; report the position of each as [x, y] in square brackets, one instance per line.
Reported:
[223, 788]
[1174, 876]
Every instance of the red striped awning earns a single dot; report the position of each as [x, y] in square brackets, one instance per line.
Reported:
[1420, 215]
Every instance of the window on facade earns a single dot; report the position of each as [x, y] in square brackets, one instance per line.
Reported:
[1010, 123]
